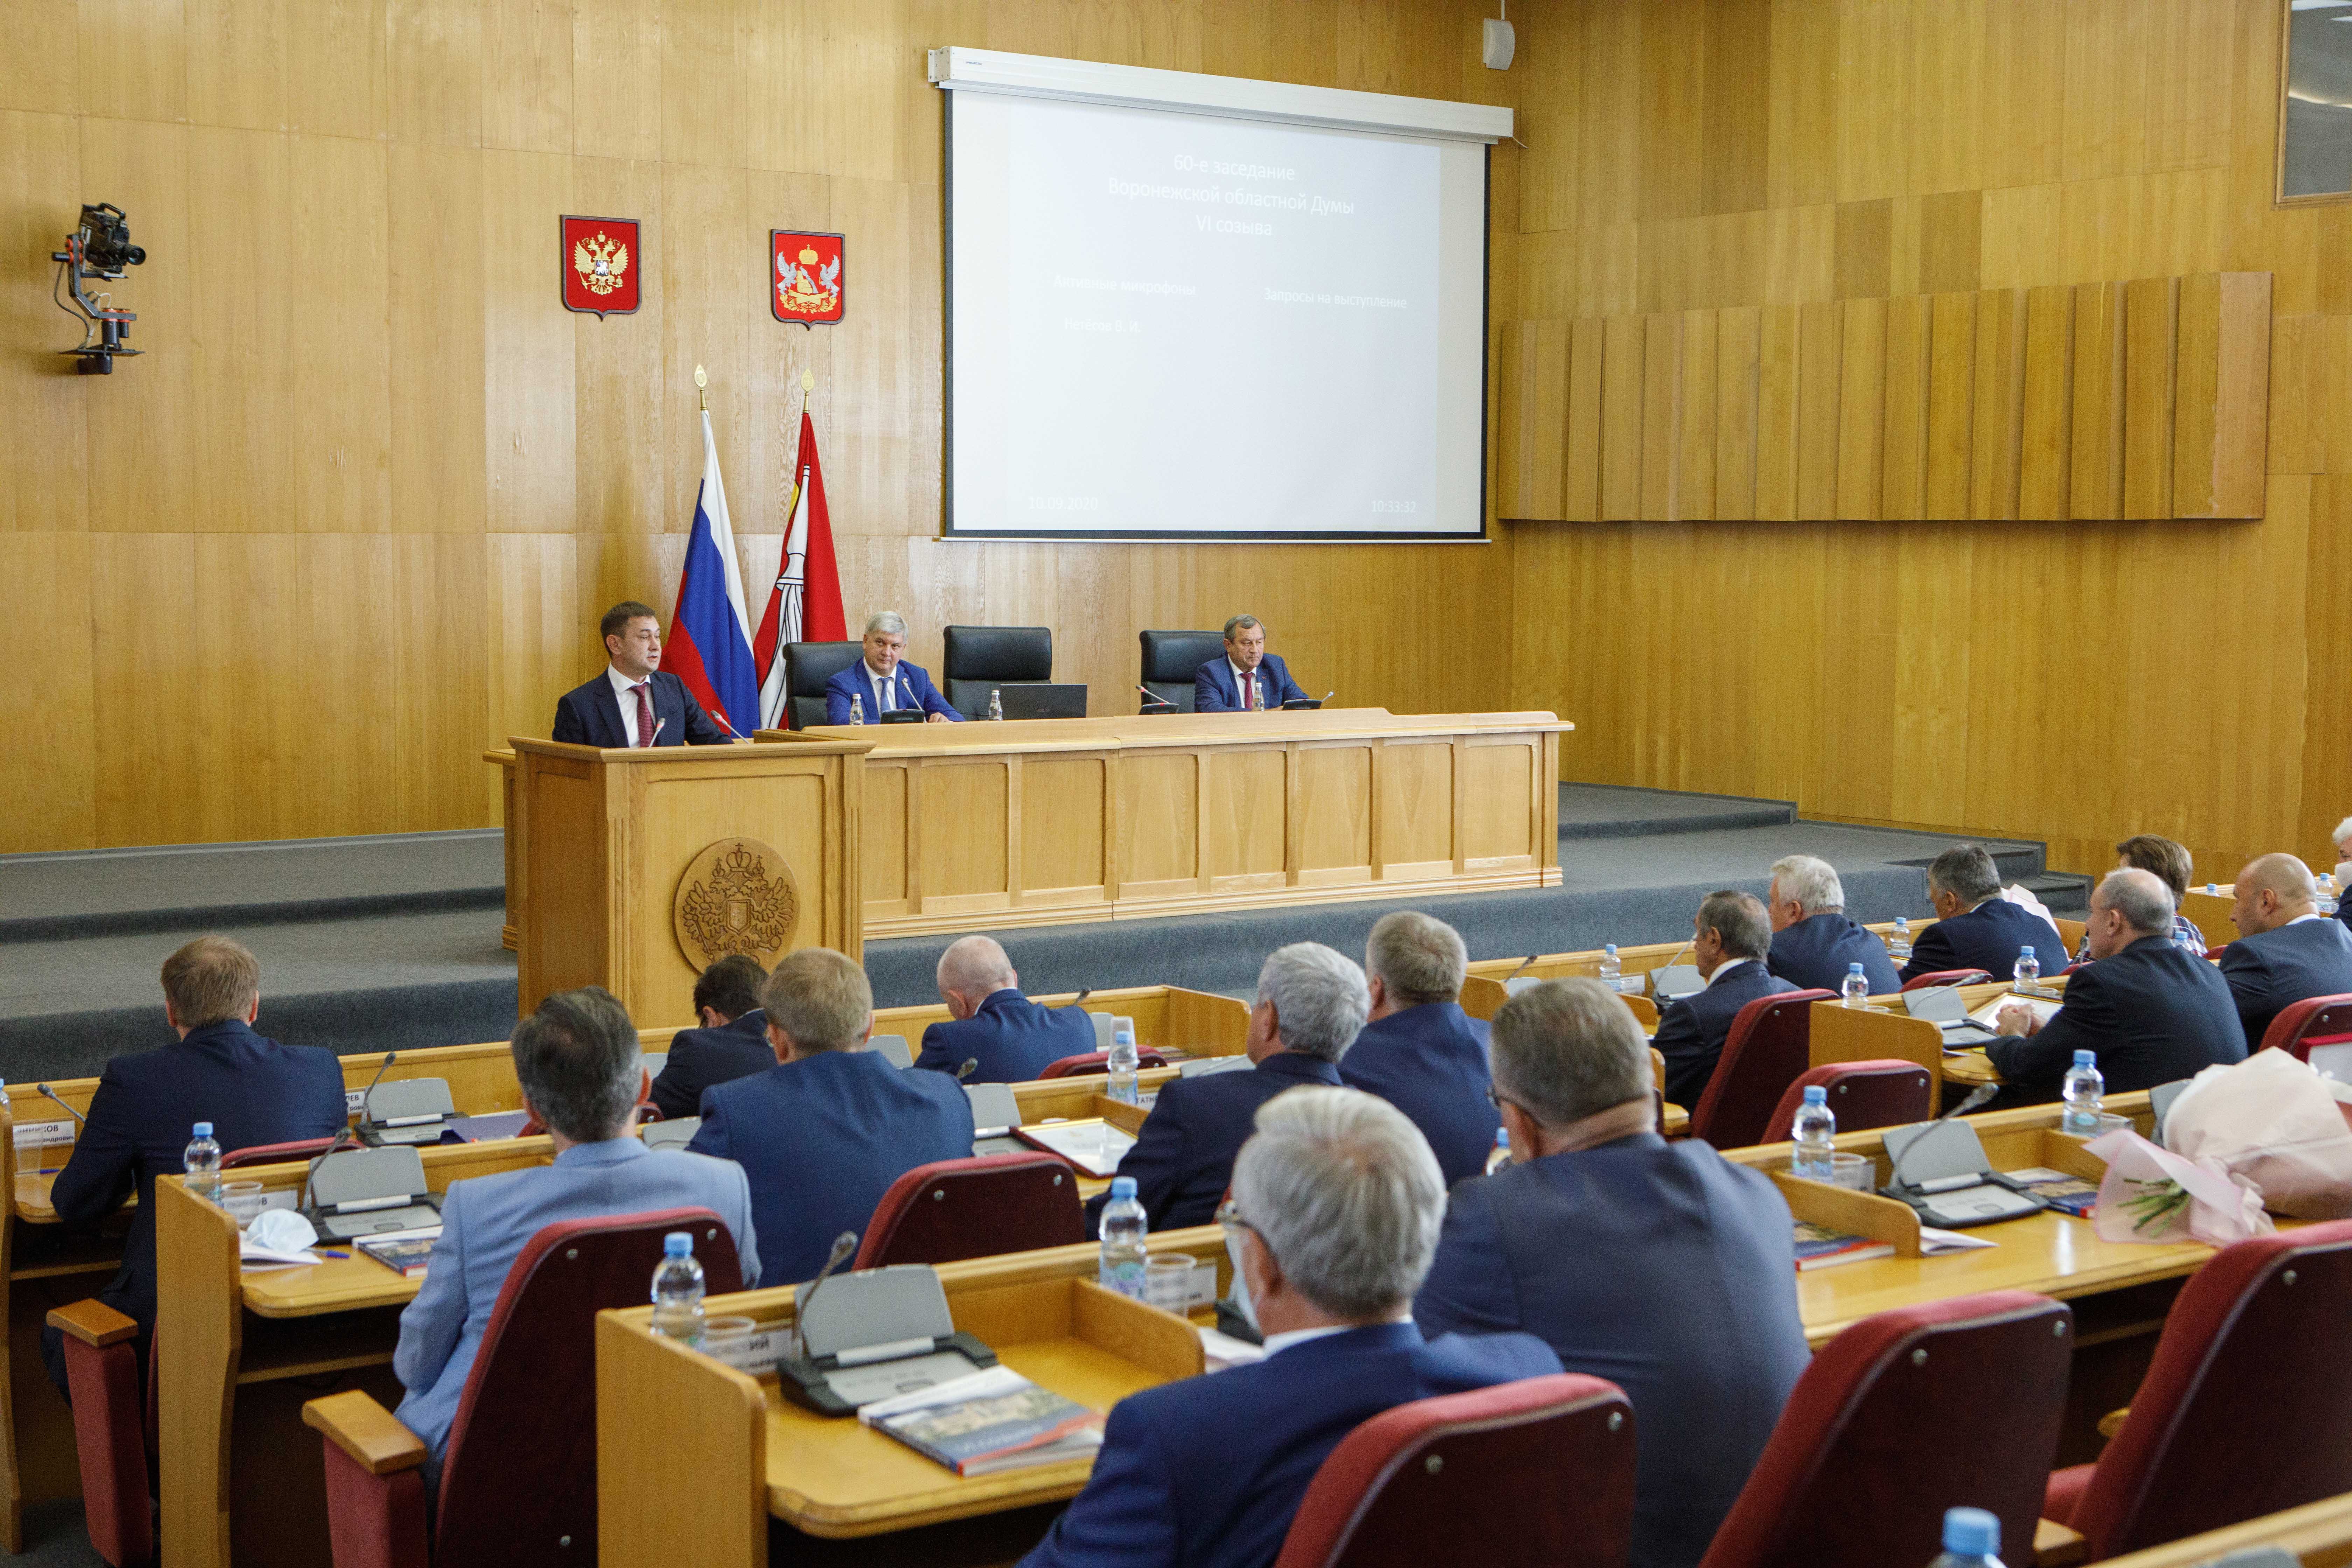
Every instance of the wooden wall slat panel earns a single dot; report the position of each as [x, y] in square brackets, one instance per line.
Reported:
[2048, 419]
[1776, 415]
[1951, 404]
[1821, 358]
[1581, 465]
[1737, 336]
[1624, 348]
[1861, 409]
[1998, 435]
[1662, 416]
[1512, 377]
[2097, 441]
[2222, 383]
[2151, 312]
[1903, 495]
[1696, 459]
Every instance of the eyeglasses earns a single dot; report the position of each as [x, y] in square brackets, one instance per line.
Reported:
[1229, 1216]
[1500, 1100]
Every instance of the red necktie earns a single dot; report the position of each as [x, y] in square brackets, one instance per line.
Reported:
[644, 714]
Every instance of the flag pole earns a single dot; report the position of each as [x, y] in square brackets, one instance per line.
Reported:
[702, 387]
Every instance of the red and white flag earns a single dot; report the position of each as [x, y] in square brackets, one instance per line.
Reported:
[805, 604]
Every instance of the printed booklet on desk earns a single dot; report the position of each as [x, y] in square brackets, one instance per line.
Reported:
[2067, 1194]
[992, 1421]
[1092, 1145]
[1818, 1247]
[404, 1255]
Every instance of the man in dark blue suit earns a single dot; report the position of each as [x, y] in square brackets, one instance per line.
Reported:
[2148, 1010]
[635, 702]
[1007, 1038]
[1418, 1050]
[1310, 1004]
[823, 1133]
[882, 683]
[2343, 890]
[1731, 936]
[1660, 1266]
[1813, 944]
[2286, 951]
[732, 1042]
[1336, 1203]
[1244, 677]
[253, 1090]
[1975, 927]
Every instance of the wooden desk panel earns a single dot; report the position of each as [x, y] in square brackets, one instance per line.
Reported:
[1032, 821]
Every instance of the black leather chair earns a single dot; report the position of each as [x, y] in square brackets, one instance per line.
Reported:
[807, 667]
[1170, 660]
[981, 658]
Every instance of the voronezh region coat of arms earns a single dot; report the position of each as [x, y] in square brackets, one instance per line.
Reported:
[808, 287]
[601, 266]
[728, 903]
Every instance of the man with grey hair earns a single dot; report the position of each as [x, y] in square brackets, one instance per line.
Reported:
[2150, 1012]
[823, 1133]
[1244, 676]
[1975, 927]
[2286, 951]
[577, 1062]
[1730, 937]
[994, 1034]
[1660, 1266]
[1814, 946]
[1418, 1050]
[1336, 1208]
[884, 682]
[1311, 1002]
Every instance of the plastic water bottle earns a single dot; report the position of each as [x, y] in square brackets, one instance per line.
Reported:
[1122, 1065]
[2327, 906]
[1500, 1160]
[995, 703]
[2026, 973]
[1901, 946]
[1971, 1539]
[677, 1290]
[202, 1164]
[1123, 1232]
[858, 708]
[1816, 1124]
[1612, 973]
[2082, 1089]
[1855, 992]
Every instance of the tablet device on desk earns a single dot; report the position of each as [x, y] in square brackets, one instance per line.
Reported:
[996, 1117]
[1939, 1168]
[1044, 700]
[1942, 1007]
[371, 1191]
[413, 1111]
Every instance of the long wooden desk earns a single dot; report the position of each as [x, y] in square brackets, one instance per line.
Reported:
[1026, 822]
[2317, 1535]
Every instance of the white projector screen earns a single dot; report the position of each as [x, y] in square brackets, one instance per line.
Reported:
[1165, 324]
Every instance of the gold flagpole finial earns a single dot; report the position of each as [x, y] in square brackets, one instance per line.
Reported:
[808, 381]
[702, 386]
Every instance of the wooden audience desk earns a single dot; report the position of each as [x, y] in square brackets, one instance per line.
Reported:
[1027, 822]
[2317, 1535]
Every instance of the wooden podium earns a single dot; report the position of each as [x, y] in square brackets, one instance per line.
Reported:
[637, 869]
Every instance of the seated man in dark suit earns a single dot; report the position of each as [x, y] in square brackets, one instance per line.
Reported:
[2287, 951]
[2150, 1012]
[1336, 1203]
[633, 702]
[1732, 937]
[882, 683]
[1005, 1037]
[1310, 1003]
[253, 1090]
[1244, 676]
[1812, 942]
[1660, 1266]
[823, 1133]
[1418, 1050]
[577, 1062]
[1975, 927]
[732, 1042]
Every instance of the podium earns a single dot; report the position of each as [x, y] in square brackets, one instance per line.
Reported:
[637, 870]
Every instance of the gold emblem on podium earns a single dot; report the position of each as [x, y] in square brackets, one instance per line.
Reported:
[728, 903]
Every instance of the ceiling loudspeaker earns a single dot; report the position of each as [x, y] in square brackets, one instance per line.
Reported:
[1501, 43]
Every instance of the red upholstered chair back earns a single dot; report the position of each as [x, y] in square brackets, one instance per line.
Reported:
[2247, 1405]
[1769, 1048]
[1097, 1061]
[1535, 1473]
[1947, 977]
[1881, 1092]
[952, 1209]
[2315, 1021]
[1903, 1415]
[518, 1478]
[273, 1154]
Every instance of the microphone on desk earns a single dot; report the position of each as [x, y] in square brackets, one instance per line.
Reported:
[715, 714]
[1976, 1097]
[52, 1094]
[345, 1130]
[970, 1066]
[1515, 974]
[1081, 999]
[843, 1245]
[657, 729]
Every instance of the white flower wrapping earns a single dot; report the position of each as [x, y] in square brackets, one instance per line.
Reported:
[2220, 1208]
[2277, 1124]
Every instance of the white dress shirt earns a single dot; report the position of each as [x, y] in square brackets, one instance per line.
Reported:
[1728, 965]
[1242, 679]
[885, 687]
[626, 690]
[1277, 1344]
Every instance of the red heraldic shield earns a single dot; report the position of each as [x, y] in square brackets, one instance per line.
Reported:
[601, 266]
[806, 284]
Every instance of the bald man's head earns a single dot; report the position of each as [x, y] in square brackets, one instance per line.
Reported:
[972, 970]
[2272, 890]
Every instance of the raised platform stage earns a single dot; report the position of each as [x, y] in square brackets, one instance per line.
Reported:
[384, 942]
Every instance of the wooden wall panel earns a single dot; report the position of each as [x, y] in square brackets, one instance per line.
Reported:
[1581, 467]
[1776, 415]
[1904, 443]
[2048, 416]
[2097, 439]
[2151, 309]
[1624, 352]
[1736, 337]
[1695, 459]
[1821, 363]
[1951, 404]
[1997, 439]
[1861, 409]
[2222, 383]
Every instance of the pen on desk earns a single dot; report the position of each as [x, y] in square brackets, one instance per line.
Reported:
[325, 1252]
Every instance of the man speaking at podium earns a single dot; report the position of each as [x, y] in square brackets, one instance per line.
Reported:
[633, 703]
[1244, 677]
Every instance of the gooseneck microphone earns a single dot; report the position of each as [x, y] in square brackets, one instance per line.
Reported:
[843, 1245]
[52, 1094]
[345, 1130]
[1976, 1097]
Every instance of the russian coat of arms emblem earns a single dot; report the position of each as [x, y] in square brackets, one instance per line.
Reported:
[603, 267]
[728, 903]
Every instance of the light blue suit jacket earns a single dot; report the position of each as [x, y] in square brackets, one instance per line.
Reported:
[484, 1224]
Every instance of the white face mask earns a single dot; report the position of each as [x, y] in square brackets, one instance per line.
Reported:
[2342, 872]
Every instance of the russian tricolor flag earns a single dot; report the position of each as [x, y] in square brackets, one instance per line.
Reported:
[710, 644]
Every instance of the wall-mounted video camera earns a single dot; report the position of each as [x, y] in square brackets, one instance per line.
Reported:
[98, 250]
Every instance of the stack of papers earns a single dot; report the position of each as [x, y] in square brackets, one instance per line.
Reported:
[990, 1421]
[1935, 1242]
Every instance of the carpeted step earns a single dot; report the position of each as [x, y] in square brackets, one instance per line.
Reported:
[1619, 811]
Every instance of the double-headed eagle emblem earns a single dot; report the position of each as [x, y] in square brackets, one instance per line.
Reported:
[600, 263]
[727, 904]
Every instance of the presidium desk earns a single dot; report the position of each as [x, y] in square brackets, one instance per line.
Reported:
[1027, 822]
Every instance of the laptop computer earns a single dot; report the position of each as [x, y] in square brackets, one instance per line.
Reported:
[1045, 699]
[356, 1192]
